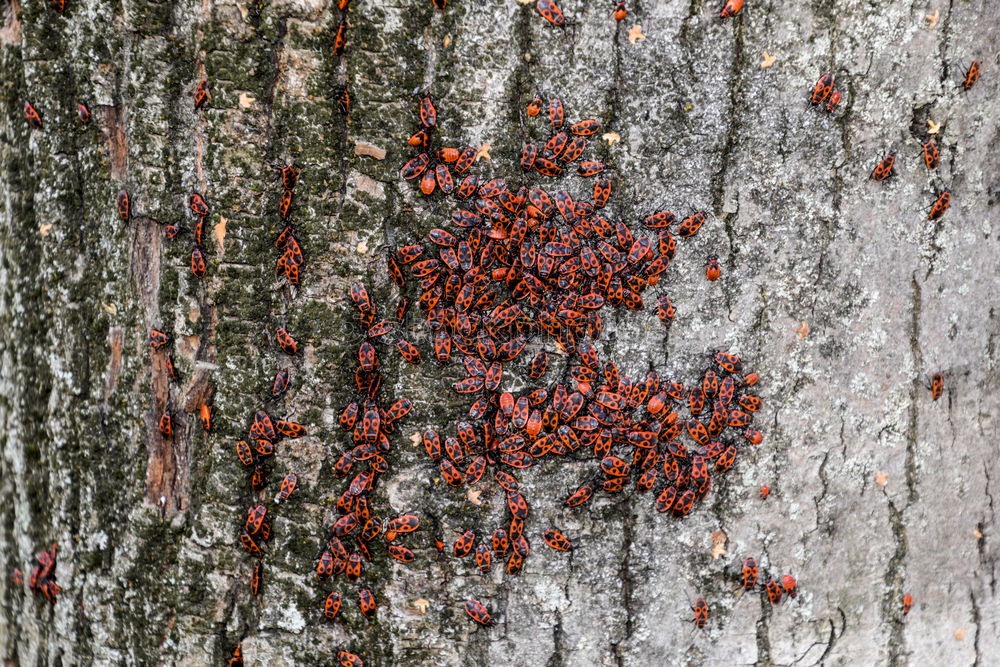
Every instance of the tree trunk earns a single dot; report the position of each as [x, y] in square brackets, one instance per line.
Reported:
[838, 290]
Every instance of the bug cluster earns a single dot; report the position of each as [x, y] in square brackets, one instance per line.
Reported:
[775, 588]
[264, 434]
[519, 266]
[34, 117]
[43, 576]
[824, 95]
[160, 341]
[355, 534]
[431, 166]
[291, 260]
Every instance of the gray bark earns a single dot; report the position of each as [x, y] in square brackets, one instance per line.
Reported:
[149, 560]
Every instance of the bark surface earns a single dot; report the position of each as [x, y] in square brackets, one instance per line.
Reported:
[838, 290]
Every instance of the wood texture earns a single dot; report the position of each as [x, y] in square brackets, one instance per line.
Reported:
[838, 290]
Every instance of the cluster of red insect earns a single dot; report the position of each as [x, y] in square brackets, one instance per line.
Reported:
[775, 589]
[355, 534]
[824, 95]
[34, 118]
[749, 574]
[265, 433]
[291, 260]
[637, 424]
[43, 575]
[525, 263]
[434, 172]
[886, 167]
[341, 90]
[561, 150]
[159, 341]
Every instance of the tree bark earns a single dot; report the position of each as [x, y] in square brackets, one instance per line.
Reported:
[837, 290]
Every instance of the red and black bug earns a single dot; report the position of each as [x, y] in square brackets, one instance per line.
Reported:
[940, 205]
[280, 384]
[285, 341]
[885, 168]
[833, 101]
[366, 600]
[731, 8]
[198, 204]
[535, 106]
[790, 586]
[972, 75]
[557, 113]
[289, 176]
[691, 224]
[289, 429]
[478, 612]
[124, 204]
[822, 90]
[765, 491]
[557, 540]
[201, 96]
[236, 657]
[158, 339]
[58, 5]
[590, 168]
[712, 269]
[463, 545]
[343, 96]
[937, 386]
[83, 113]
[340, 38]
[748, 574]
[550, 12]
[331, 606]
[205, 415]
[907, 603]
[620, 11]
[774, 591]
[932, 155]
[288, 485]
[32, 115]
[171, 369]
[701, 613]
[198, 266]
[428, 114]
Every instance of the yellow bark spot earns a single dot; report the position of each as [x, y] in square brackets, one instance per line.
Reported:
[803, 330]
[483, 152]
[635, 34]
[219, 232]
[768, 60]
[932, 127]
[371, 150]
[45, 229]
[882, 478]
[932, 19]
[611, 137]
[718, 544]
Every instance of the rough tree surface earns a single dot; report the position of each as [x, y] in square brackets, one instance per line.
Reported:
[838, 290]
